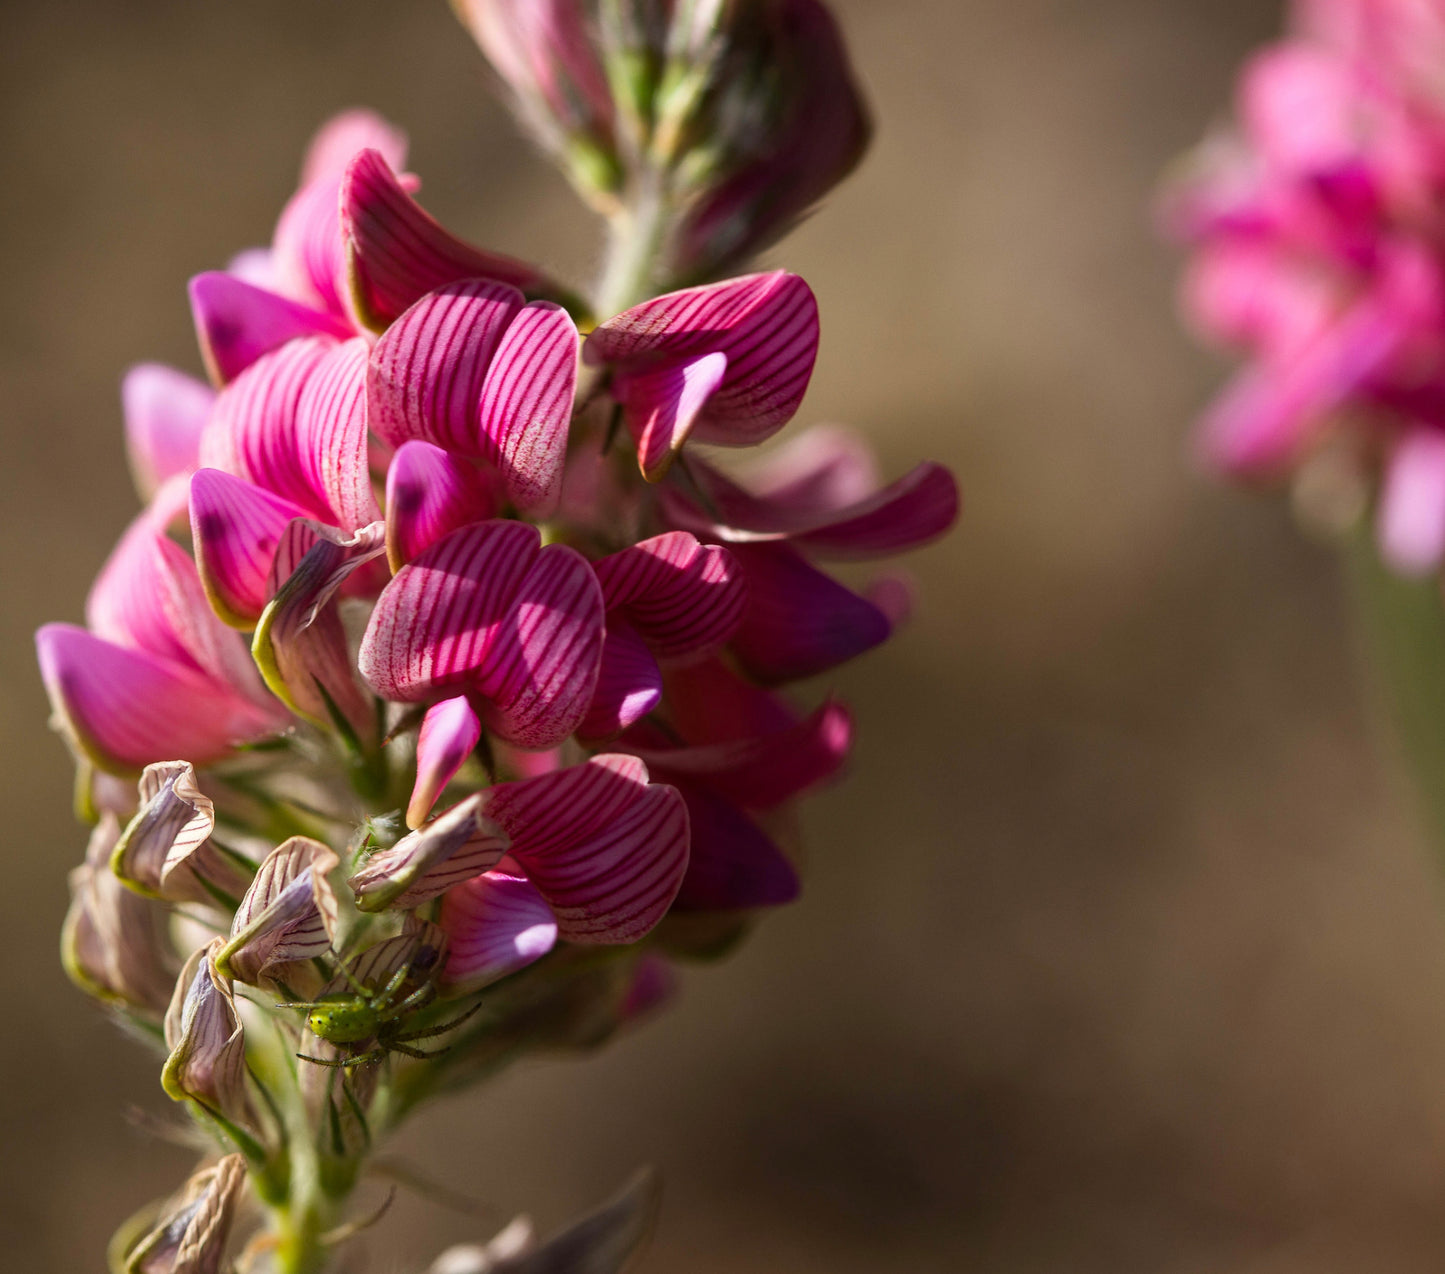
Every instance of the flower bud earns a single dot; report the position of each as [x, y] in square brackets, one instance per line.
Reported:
[191, 1235]
[288, 914]
[207, 1064]
[453, 847]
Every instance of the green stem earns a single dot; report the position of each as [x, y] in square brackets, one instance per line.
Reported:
[638, 237]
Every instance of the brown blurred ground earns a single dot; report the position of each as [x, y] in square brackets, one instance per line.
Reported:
[1118, 952]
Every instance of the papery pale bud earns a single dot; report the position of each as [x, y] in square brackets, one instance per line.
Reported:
[453, 847]
[288, 914]
[193, 1230]
[114, 944]
[207, 1064]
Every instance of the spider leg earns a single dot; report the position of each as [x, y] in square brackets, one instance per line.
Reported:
[397, 1046]
[441, 1028]
[299, 1004]
[375, 1055]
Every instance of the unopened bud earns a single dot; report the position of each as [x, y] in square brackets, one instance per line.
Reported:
[207, 1064]
[288, 914]
[453, 847]
[194, 1228]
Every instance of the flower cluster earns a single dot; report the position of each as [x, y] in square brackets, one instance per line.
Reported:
[450, 661]
[1318, 227]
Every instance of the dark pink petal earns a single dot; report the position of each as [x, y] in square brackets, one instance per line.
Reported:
[344, 136]
[429, 494]
[684, 598]
[663, 404]
[606, 848]
[734, 865]
[331, 458]
[236, 323]
[526, 405]
[489, 609]
[397, 253]
[235, 527]
[127, 708]
[449, 732]
[164, 412]
[653, 985]
[799, 622]
[629, 684]
[708, 702]
[496, 924]
[1412, 504]
[427, 371]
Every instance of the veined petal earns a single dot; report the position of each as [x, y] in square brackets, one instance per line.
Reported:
[126, 708]
[663, 404]
[629, 684]
[449, 732]
[1412, 504]
[207, 1063]
[427, 371]
[526, 404]
[799, 622]
[191, 1234]
[429, 494]
[497, 923]
[236, 322]
[488, 608]
[331, 446]
[164, 412]
[685, 599]
[733, 865]
[344, 136]
[397, 253]
[453, 847]
[289, 913]
[606, 848]
[235, 527]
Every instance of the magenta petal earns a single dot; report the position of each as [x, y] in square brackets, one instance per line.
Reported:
[733, 865]
[397, 253]
[128, 708]
[308, 259]
[495, 924]
[449, 732]
[629, 684]
[526, 404]
[685, 599]
[429, 494]
[235, 527]
[799, 622]
[427, 371]
[344, 136]
[164, 412]
[331, 459]
[1412, 504]
[489, 608]
[236, 323]
[663, 404]
[606, 848]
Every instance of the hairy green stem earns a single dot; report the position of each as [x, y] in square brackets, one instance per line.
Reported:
[638, 238]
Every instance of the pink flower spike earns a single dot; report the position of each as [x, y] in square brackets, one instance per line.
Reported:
[397, 253]
[629, 684]
[449, 732]
[429, 494]
[235, 527]
[236, 323]
[490, 610]
[127, 708]
[1412, 504]
[684, 598]
[605, 847]
[164, 412]
[338, 141]
[495, 923]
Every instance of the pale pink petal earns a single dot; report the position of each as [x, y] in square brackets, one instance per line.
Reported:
[397, 252]
[684, 598]
[235, 527]
[429, 494]
[254, 266]
[823, 468]
[127, 708]
[1300, 106]
[1412, 504]
[449, 732]
[526, 405]
[733, 864]
[454, 847]
[289, 913]
[427, 371]
[308, 258]
[663, 404]
[164, 412]
[629, 684]
[496, 924]
[236, 323]
[343, 136]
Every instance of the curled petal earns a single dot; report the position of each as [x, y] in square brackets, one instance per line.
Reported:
[429, 494]
[496, 924]
[164, 412]
[236, 527]
[193, 1230]
[453, 847]
[1412, 504]
[629, 684]
[449, 732]
[237, 322]
[289, 913]
[207, 1063]
[126, 708]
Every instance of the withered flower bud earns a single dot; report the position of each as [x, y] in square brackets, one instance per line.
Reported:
[288, 914]
[453, 847]
[192, 1233]
[208, 1048]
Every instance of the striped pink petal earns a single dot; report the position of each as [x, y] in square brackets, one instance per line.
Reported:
[733, 865]
[397, 253]
[799, 621]
[488, 608]
[308, 259]
[453, 847]
[526, 405]
[684, 598]
[331, 457]
[663, 404]
[289, 913]
[449, 732]
[496, 924]
[427, 371]
[429, 494]
[164, 412]
[338, 141]
[1411, 517]
[235, 527]
[766, 325]
[629, 684]
[126, 708]
[605, 847]
[236, 322]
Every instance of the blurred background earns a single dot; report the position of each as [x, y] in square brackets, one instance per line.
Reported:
[1120, 951]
